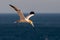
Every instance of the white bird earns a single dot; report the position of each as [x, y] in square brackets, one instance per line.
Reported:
[22, 17]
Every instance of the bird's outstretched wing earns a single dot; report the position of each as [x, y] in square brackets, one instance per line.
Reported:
[29, 16]
[20, 13]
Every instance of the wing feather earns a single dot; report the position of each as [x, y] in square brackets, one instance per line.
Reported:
[20, 13]
[29, 16]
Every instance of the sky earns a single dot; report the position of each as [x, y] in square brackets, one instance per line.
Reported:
[38, 6]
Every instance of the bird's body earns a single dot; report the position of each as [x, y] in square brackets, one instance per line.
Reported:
[27, 21]
[22, 17]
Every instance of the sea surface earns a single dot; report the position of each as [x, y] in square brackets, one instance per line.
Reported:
[46, 27]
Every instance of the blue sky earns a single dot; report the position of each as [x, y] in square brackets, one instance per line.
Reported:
[42, 6]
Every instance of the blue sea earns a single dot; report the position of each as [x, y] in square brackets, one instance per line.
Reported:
[47, 27]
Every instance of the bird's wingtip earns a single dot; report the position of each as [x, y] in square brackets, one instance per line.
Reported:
[32, 12]
[10, 5]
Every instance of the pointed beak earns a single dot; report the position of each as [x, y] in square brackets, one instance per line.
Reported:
[32, 24]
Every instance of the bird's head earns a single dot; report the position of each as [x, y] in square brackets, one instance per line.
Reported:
[30, 21]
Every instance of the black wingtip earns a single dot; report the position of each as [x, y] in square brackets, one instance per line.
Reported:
[32, 12]
[13, 7]
[10, 5]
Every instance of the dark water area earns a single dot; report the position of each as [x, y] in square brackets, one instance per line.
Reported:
[47, 27]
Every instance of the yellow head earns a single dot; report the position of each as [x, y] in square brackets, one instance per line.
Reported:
[30, 21]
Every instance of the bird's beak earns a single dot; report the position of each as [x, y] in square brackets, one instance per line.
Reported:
[32, 24]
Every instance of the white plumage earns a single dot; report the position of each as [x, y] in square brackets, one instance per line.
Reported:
[22, 17]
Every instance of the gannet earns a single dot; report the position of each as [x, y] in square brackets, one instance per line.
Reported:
[22, 17]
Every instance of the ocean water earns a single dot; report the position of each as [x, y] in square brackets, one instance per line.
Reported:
[47, 27]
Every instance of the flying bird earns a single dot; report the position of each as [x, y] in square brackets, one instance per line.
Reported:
[22, 17]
